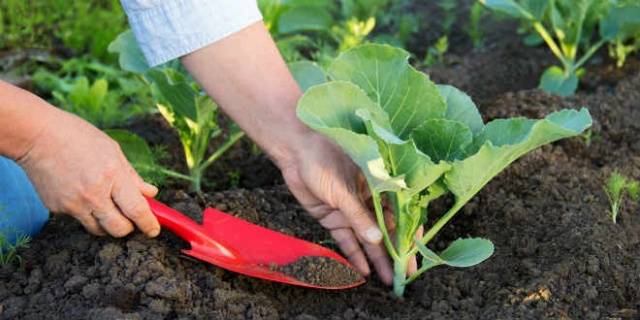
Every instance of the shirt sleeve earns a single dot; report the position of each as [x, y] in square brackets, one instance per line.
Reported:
[168, 29]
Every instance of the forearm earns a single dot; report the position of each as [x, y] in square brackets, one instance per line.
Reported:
[22, 118]
[245, 74]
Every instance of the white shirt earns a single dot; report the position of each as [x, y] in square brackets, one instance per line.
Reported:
[168, 29]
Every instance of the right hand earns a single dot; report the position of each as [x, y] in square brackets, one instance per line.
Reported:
[332, 189]
[80, 171]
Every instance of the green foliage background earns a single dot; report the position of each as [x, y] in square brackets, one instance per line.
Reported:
[86, 26]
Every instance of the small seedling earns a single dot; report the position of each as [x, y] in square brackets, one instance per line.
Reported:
[570, 28]
[435, 53]
[8, 250]
[95, 103]
[474, 28]
[416, 141]
[353, 32]
[616, 187]
[181, 102]
[99, 93]
[627, 39]
[319, 29]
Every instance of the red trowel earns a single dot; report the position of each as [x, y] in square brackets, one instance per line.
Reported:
[239, 246]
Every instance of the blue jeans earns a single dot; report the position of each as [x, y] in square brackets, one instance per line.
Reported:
[22, 213]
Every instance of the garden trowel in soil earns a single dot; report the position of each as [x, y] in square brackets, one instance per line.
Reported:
[239, 246]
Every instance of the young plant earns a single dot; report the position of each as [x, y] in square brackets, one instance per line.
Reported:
[298, 25]
[352, 32]
[436, 52]
[95, 103]
[305, 29]
[416, 141]
[616, 187]
[568, 27]
[626, 15]
[9, 250]
[400, 21]
[194, 116]
[99, 93]
[181, 102]
[474, 28]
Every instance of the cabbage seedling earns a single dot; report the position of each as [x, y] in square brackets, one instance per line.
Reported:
[416, 141]
[567, 26]
[181, 102]
[616, 187]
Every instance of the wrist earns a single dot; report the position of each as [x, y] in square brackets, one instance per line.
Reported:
[23, 119]
[280, 134]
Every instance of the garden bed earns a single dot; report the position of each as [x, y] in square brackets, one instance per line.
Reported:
[557, 256]
[557, 253]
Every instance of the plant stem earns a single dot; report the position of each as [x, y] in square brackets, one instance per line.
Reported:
[614, 212]
[223, 148]
[415, 276]
[173, 174]
[375, 197]
[589, 53]
[542, 31]
[196, 180]
[400, 274]
[439, 224]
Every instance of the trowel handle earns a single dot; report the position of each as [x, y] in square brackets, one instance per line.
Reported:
[175, 221]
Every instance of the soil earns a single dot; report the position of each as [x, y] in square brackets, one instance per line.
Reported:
[320, 271]
[558, 255]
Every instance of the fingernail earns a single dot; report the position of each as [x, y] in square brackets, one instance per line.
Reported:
[152, 186]
[373, 234]
[154, 233]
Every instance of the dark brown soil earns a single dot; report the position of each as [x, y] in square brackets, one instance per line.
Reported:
[558, 255]
[320, 271]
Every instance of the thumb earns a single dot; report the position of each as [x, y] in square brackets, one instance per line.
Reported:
[361, 219]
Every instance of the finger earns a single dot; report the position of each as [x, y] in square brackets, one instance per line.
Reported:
[380, 259]
[135, 207]
[112, 220]
[361, 220]
[147, 189]
[413, 263]
[412, 266]
[349, 245]
[91, 224]
[334, 220]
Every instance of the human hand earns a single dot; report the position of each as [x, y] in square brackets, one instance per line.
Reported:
[332, 189]
[80, 171]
